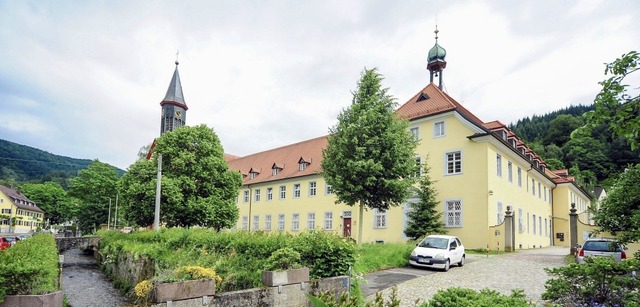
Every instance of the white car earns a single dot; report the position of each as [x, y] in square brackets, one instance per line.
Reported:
[438, 250]
[600, 247]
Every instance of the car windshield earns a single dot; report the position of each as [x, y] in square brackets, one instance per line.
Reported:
[601, 246]
[439, 243]
[9, 239]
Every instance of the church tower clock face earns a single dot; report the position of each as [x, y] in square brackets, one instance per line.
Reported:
[178, 113]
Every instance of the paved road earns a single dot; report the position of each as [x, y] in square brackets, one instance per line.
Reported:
[388, 278]
[503, 273]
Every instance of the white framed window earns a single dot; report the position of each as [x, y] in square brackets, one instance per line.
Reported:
[539, 191]
[296, 190]
[546, 229]
[438, 129]
[510, 171]
[419, 165]
[245, 222]
[328, 189]
[257, 195]
[499, 165]
[540, 225]
[311, 220]
[545, 193]
[256, 222]
[328, 220]
[534, 224]
[253, 175]
[519, 177]
[275, 171]
[500, 215]
[453, 213]
[269, 194]
[281, 221]
[245, 198]
[520, 221]
[528, 223]
[415, 133]
[267, 222]
[295, 222]
[454, 163]
[283, 191]
[379, 219]
[312, 188]
[303, 165]
[533, 187]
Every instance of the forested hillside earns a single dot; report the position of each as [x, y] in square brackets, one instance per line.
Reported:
[593, 158]
[20, 163]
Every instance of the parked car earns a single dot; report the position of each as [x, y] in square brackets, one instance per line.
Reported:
[4, 244]
[600, 247]
[11, 240]
[438, 250]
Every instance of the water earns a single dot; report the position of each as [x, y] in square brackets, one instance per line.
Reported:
[85, 285]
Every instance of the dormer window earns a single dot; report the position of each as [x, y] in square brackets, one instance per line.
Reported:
[303, 164]
[253, 173]
[275, 169]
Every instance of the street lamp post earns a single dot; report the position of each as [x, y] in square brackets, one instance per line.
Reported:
[109, 215]
[115, 220]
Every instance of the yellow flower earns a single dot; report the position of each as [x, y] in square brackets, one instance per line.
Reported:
[143, 288]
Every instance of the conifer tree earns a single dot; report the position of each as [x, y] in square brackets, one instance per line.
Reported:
[369, 159]
[423, 217]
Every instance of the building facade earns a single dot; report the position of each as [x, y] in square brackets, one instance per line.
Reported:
[481, 170]
[18, 214]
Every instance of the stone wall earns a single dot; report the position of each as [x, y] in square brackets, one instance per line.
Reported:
[65, 243]
[127, 268]
[289, 295]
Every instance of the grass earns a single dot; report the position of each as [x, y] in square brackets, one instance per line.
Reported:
[375, 257]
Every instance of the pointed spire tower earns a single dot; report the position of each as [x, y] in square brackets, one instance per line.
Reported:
[435, 61]
[174, 109]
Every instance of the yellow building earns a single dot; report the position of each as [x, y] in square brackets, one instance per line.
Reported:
[18, 214]
[481, 170]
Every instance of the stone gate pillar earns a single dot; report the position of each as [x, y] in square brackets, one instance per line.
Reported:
[509, 239]
[573, 227]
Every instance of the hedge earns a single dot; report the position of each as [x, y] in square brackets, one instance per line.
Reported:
[30, 267]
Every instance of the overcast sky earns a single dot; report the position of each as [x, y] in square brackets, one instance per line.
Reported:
[85, 78]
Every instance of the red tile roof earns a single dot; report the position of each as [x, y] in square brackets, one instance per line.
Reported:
[20, 200]
[285, 157]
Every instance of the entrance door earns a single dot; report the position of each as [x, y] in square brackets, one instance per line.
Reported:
[346, 229]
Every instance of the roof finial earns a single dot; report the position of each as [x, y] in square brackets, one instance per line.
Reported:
[178, 52]
[436, 32]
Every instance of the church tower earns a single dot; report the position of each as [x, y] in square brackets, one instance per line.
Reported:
[174, 109]
[435, 61]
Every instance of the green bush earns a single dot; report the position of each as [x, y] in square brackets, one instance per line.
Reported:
[462, 297]
[374, 257]
[283, 259]
[598, 281]
[29, 267]
[238, 257]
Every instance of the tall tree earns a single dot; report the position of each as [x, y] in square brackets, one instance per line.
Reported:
[94, 188]
[424, 217]
[560, 129]
[52, 199]
[620, 211]
[615, 105]
[198, 188]
[369, 159]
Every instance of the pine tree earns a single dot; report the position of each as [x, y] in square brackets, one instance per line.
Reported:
[424, 218]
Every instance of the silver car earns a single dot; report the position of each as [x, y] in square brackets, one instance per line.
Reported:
[601, 247]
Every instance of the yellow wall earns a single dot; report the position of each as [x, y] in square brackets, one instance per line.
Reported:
[563, 196]
[478, 187]
[26, 220]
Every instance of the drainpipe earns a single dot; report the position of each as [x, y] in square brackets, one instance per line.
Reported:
[250, 199]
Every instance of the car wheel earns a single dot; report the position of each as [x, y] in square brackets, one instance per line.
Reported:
[446, 266]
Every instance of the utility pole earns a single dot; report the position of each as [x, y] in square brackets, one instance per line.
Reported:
[109, 215]
[115, 224]
[156, 218]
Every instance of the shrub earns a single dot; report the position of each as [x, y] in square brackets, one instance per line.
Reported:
[283, 259]
[29, 267]
[598, 281]
[463, 297]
